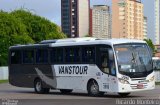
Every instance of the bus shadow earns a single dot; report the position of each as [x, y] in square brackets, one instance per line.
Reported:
[86, 95]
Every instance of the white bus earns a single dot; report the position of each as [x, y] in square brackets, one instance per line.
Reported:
[156, 63]
[88, 64]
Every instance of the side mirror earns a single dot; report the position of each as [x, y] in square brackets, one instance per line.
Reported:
[111, 54]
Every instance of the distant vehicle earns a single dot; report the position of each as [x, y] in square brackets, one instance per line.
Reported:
[156, 63]
[90, 64]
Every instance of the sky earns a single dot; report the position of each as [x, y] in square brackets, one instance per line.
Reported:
[51, 9]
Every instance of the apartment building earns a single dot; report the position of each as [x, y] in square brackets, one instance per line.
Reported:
[127, 19]
[157, 22]
[75, 17]
[101, 21]
[145, 32]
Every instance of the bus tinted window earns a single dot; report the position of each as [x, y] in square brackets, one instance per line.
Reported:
[88, 54]
[107, 60]
[57, 55]
[72, 55]
[28, 56]
[16, 57]
[42, 56]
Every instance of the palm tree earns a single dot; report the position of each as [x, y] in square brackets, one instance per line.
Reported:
[151, 45]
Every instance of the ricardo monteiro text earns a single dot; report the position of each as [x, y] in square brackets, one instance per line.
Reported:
[73, 69]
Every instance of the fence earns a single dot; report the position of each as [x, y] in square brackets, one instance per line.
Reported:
[3, 73]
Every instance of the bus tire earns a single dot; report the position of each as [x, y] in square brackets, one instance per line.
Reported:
[93, 89]
[38, 87]
[124, 94]
[66, 91]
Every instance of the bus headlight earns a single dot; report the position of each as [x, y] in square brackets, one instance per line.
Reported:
[151, 79]
[123, 81]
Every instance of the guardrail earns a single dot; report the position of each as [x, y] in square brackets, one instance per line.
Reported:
[4, 73]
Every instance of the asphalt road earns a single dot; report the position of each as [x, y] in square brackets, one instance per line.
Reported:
[10, 95]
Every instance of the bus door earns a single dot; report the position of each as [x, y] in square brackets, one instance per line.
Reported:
[107, 66]
[104, 67]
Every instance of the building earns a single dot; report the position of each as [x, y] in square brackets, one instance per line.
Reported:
[157, 21]
[75, 17]
[90, 22]
[127, 19]
[145, 32]
[101, 21]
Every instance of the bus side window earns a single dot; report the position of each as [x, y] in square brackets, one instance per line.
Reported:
[42, 56]
[28, 56]
[56, 55]
[88, 54]
[112, 62]
[105, 63]
[113, 68]
[16, 57]
[72, 55]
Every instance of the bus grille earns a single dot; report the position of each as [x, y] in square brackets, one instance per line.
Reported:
[139, 86]
[135, 79]
[142, 83]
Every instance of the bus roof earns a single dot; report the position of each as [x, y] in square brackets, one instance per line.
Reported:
[80, 41]
[68, 42]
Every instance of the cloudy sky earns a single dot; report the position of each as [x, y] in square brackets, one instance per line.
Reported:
[51, 9]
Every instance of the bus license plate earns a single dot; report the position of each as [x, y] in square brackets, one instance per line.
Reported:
[140, 86]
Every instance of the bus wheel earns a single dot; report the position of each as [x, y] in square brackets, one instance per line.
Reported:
[39, 88]
[66, 91]
[123, 94]
[93, 89]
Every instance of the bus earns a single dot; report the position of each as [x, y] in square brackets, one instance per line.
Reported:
[156, 63]
[88, 64]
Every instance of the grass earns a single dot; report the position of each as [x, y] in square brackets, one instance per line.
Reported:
[3, 81]
[157, 83]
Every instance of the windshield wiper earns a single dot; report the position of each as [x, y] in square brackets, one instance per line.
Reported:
[133, 58]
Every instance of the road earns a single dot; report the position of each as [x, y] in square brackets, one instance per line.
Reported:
[26, 96]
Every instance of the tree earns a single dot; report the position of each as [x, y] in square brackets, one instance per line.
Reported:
[9, 27]
[150, 44]
[22, 27]
[38, 28]
[87, 35]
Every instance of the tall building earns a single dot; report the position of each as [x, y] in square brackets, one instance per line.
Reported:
[101, 21]
[145, 32]
[75, 17]
[90, 22]
[157, 21]
[127, 19]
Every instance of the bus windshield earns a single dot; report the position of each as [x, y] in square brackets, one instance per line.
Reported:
[133, 58]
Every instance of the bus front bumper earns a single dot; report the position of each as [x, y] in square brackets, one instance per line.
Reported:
[124, 88]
